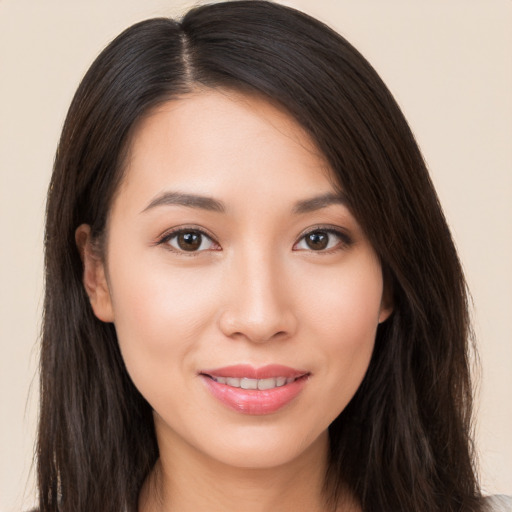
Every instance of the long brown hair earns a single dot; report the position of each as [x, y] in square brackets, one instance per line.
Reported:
[403, 442]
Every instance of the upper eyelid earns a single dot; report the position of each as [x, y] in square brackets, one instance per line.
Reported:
[345, 238]
[336, 230]
[173, 232]
[180, 229]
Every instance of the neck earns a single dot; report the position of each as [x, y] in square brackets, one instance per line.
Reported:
[185, 480]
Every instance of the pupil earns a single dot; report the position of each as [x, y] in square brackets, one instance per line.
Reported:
[189, 241]
[317, 240]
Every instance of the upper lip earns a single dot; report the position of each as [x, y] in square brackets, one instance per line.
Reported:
[250, 372]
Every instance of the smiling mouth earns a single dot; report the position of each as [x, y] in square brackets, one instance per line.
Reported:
[256, 384]
[253, 391]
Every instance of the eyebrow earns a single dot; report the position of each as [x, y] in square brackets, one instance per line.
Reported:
[190, 200]
[319, 202]
[209, 203]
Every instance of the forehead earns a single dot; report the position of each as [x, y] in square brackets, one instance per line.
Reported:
[223, 143]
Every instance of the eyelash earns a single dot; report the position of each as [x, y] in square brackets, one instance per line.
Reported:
[168, 236]
[345, 240]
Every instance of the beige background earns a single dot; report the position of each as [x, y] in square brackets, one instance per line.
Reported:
[449, 64]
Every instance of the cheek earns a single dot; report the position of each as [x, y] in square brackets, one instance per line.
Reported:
[343, 317]
[345, 304]
[159, 317]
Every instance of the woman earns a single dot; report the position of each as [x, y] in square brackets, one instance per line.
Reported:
[252, 297]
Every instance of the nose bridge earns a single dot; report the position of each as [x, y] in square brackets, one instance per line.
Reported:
[259, 305]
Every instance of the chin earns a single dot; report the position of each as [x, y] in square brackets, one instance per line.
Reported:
[262, 448]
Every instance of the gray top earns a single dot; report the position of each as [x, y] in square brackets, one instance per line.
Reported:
[499, 503]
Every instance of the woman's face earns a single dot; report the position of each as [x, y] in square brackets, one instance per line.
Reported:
[232, 263]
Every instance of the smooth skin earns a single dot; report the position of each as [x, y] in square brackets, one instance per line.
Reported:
[258, 275]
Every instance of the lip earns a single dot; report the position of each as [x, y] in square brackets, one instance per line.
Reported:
[255, 401]
[264, 372]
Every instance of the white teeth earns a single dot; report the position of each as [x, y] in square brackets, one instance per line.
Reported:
[249, 383]
[260, 384]
[267, 383]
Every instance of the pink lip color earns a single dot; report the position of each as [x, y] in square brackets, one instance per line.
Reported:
[253, 401]
[264, 372]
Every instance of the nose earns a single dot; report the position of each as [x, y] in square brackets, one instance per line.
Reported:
[258, 305]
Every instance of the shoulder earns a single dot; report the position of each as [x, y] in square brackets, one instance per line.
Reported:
[498, 503]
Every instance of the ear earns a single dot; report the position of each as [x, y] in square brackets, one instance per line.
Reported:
[94, 276]
[387, 303]
[386, 308]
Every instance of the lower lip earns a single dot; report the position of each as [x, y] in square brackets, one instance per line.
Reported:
[254, 401]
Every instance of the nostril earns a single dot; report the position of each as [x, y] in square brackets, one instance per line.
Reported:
[255, 321]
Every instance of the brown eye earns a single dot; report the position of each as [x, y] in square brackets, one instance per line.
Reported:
[317, 240]
[323, 240]
[189, 241]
